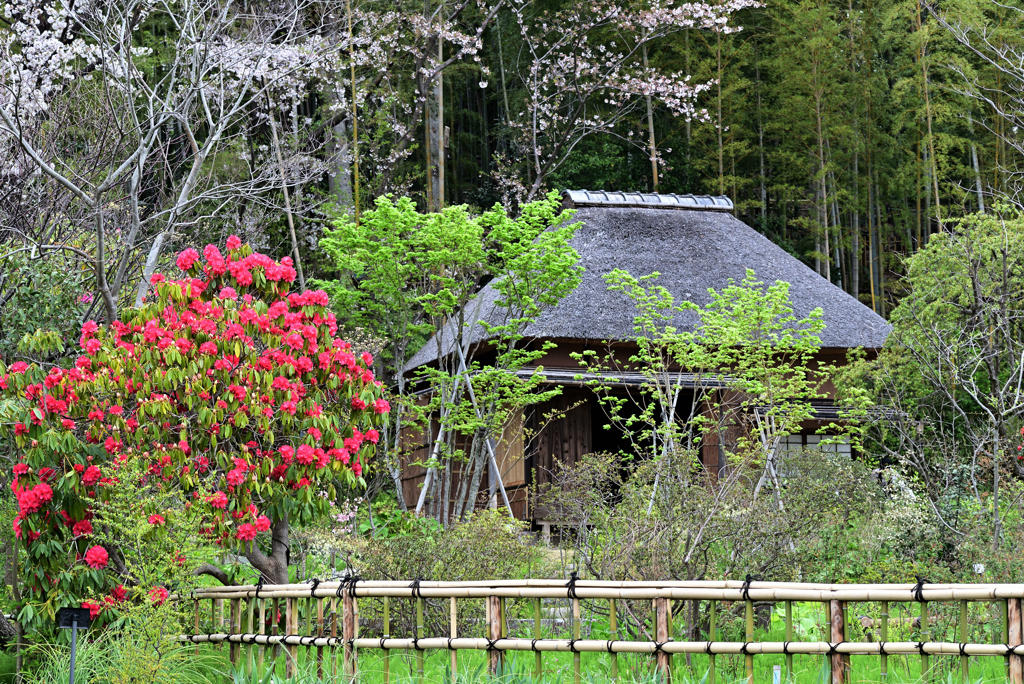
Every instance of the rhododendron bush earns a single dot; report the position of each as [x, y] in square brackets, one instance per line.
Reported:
[226, 388]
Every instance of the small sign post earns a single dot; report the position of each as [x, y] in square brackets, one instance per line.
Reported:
[73, 619]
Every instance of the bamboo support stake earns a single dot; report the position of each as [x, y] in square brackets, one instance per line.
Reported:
[387, 635]
[538, 668]
[236, 628]
[662, 635]
[275, 629]
[197, 623]
[965, 661]
[250, 622]
[419, 635]
[263, 630]
[454, 630]
[884, 659]
[576, 635]
[1005, 610]
[1013, 615]
[712, 635]
[291, 653]
[613, 632]
[348, 634]
[749, 659]
[840, 662]
[320, 633]
[925, 661]
[789, 637]
[494, 661]
[334, 633]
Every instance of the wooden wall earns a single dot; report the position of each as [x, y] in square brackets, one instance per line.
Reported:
[565, 431]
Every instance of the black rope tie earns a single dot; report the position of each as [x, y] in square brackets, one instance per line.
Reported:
[491, 642]
[750, 579]
[352, 582]
[533, 644]
[743, 648]
[658, 646]
[415, 586]
[610, 645]
[450, 647]
[833, 649]
[313, 584]
[785, 647]
[920, 648]
[918, 590]
[963, 650]
[881, 648]
[707, 647]
[570, 586]
[259, 585]
[1010, 650]
[382, 646]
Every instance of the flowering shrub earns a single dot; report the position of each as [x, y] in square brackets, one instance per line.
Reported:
[226, 388]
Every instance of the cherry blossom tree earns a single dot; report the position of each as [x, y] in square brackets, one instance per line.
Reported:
[225, 390]
[584, 74]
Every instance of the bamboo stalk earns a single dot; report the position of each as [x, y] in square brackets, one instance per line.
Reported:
[263, 630]
[236, 620]
[925, 663]
[197, 622]
[292, 651]
[662, 635]
[749, 658]
[419, 635]
[454, 633]
[387, 635]
[250, 616]
[1005, 610]
[576, 635]
[320, 633]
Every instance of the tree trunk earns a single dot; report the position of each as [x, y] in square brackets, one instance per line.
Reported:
[273, 569]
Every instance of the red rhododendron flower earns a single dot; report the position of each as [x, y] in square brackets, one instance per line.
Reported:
[20, 429]
[158, 595]
[219, 500]
[263, 523]
[358, 404]
[91, 476]
[20, 468]
[246, 532]
[381, 406]
[82, 528]
[234, 242]
[43, 491]
[96, 557]
[94, 609]
[156, 519]
[118, 593]
[187, 258]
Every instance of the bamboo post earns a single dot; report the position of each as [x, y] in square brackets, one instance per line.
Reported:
[355, 635]
[712, 635]
[291, 662]
[263, 630]
[576, 635]
[613, 632]
[840, 663]
[419, 635]
[1013, 616]
[884, 636]
[749, 658]
[662, 634]
[196, 630]
[925, 661]
[965, 661]
[1005, 610]
[236, 627]
[348, 633]
[454, 634]
[789, 637]
[387, 635]
[250, 622]
[494, 662]
[320, 633]
[537, 663]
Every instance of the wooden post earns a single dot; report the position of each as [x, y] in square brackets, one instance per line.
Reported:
[250, 619]
[613, 632]
[885, 637]
[495, 666]
[453, 616]
[576, 635]
[538, 668]
[235, 628]
[334, 633]
[840, 662]
[1013, 615]
[275, 629]
[348, 633]
[1005, 610]
[712, 635]
[662, 635]
[387, 635]
[965, 661]
[789, 637]
[750, 637]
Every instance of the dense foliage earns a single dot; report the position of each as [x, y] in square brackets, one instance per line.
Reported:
[225, 388]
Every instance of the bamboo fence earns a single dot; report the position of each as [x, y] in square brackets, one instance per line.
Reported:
[266, 619]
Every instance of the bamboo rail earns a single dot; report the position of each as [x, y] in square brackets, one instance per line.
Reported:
[323, 605]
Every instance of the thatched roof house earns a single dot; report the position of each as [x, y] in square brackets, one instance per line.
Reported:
[695, 243]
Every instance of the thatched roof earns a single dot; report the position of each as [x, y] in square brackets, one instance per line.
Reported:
[693, 249]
